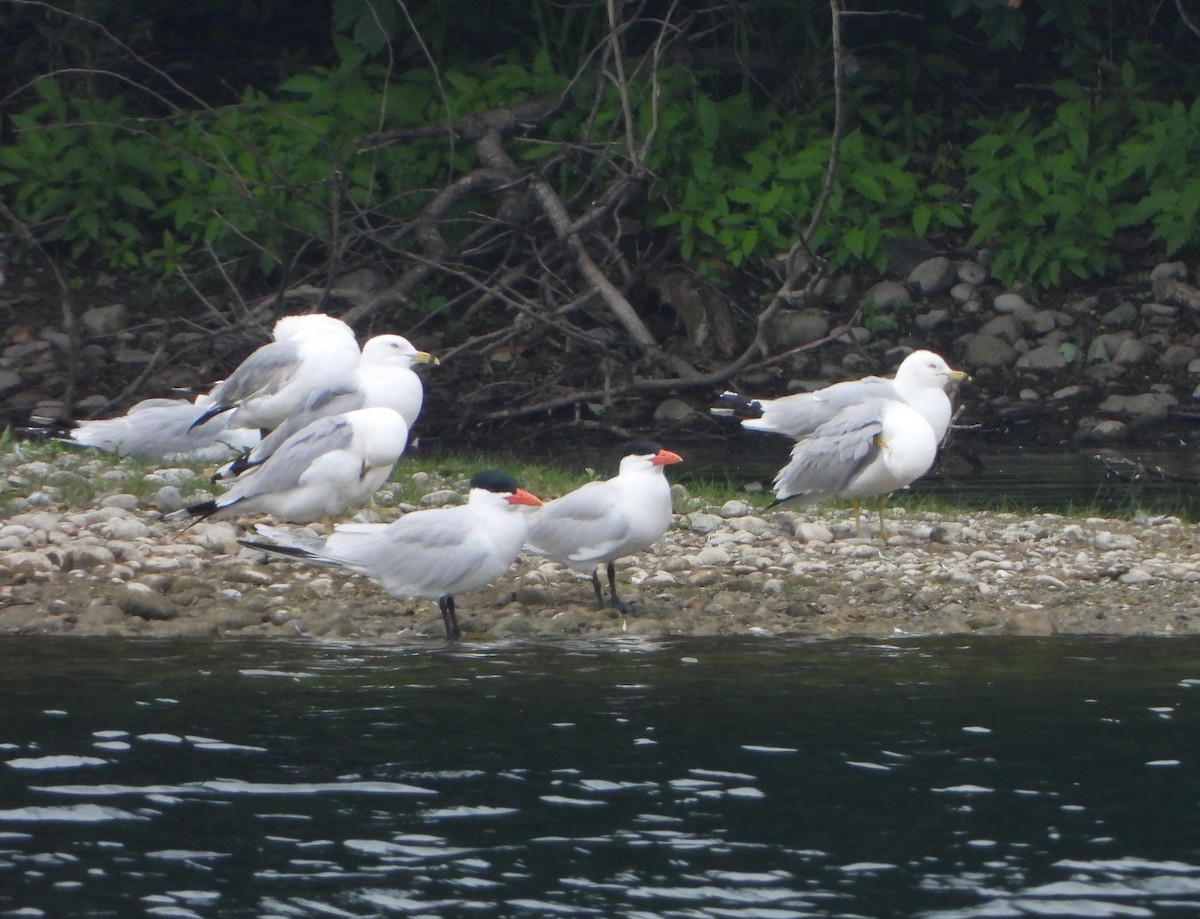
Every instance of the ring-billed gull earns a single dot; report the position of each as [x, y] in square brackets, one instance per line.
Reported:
[430, 554]
[600, 522]
[154, 429]
[330, 465]
[869, 449]
[310, 354]
[384, 379]
[921, 380]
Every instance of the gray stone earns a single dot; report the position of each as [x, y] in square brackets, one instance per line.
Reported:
[1177, 356]
[963, 293]
[981, 351]
[104, 320]
[933, 319]
[1159, 311]
[973, 273]
[933, 275]
[1012, 303]
[1042, 322]
[672, 410]
[1132, 353]
[1107, 431]
[1121, 316]
[1008, 328]
[791, 328]
[1045, 359]
[144, 602]
[888, 294]
[1176, 270]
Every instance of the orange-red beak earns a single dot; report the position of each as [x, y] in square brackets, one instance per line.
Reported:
[521, 496]
[665, 458]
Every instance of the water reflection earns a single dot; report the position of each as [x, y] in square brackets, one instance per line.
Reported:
[677, 779]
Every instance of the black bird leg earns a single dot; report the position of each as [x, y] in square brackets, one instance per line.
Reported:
[621, 606]
[449, 616]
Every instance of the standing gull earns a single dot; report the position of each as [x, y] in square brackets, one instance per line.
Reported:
[330, 465]
[430, 554]
[600, 522]
[869, 449]
[310, 354]
[384, 379]
[921, 381]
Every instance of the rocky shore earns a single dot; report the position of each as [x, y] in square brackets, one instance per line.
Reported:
[109, 565]
[1116, 365]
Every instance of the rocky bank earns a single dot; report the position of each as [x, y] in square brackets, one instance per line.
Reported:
[111, 566]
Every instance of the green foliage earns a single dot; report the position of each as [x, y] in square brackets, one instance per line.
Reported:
[736, 202]
[1050, 192]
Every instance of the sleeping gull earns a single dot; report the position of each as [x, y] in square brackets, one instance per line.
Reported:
[600, 522]
[921, 380]
[869, 449]
[332, 464]
[155, 429]
[429, 554]
[310, 354]
[384, 378]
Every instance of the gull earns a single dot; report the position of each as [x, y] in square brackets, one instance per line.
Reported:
[384, 378]
[310, 354]
[332, 464]
[430, 554]
[600, 522]
[869, 449]
[921, 381]
[155, 429]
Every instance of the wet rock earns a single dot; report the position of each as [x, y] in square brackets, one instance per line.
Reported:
[140, 600]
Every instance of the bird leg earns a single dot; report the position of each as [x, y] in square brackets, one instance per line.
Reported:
[882, 524]
[621, 606]
[596, 587]
[449, 616]
[857, 519]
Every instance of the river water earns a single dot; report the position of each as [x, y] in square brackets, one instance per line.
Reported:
[964, 777]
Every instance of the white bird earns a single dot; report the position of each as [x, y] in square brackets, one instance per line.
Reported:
[600, 522]
[154, 428]
[430, 554]
[869, 449]
[330, 465]
[310, 354]
[921, 380]
[384, 379]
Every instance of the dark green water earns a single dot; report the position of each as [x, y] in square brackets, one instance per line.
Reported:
[967, 777]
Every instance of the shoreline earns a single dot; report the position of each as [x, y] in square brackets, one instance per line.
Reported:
[114, 568]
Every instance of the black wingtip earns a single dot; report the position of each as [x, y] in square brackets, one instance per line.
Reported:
[274, 549]
[208, 415]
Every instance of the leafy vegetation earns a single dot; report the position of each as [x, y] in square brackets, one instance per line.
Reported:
[144, 174]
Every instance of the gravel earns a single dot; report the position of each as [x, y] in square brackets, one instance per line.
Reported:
[111, 566]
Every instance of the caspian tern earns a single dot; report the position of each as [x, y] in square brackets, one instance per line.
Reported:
[600, 522]
[430, 554]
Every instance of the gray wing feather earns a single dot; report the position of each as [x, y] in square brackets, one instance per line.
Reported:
[824, 462]
[294, 456]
